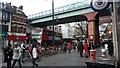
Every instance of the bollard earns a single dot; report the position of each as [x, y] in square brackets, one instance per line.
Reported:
[92, 54]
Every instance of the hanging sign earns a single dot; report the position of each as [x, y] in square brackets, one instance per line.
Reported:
[99, 5]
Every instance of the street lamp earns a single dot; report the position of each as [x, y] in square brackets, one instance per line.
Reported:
[53, 20]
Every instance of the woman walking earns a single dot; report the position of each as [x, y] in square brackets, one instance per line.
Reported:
[69, 47]
[34, 55]
[86, 49]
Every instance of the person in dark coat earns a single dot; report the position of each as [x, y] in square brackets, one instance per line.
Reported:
[81, 47]
[8, 53]
[74, 46]
[90, 46]
[78, 47]
[65, 47]
[110, 47]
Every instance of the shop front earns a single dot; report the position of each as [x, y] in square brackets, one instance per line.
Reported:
[19, 38]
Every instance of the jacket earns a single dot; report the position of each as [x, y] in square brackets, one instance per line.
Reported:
[23, 46]
[34, 52]
[80, 46]
[69, 46]
[17, 53]
[85, 46]
[8, 53]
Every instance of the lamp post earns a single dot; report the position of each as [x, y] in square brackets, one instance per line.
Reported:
[53, 20]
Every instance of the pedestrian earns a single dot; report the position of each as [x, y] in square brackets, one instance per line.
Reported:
[8, 53]
[80, 46]
[86, 49]
[23, 52]
[110, 47]
[34, 56]
[69, 46]
[65, 47]
[90, 46]
[74, 46]
[16, 55]
[30, 48]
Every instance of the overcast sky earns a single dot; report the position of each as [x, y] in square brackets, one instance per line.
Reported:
[35, 6]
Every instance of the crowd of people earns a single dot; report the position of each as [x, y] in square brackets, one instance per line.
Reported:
[16, 52]
[84, 47]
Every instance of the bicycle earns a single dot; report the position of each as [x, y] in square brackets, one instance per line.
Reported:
[28, 56]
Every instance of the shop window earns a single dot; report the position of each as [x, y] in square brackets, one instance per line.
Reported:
[16, 28]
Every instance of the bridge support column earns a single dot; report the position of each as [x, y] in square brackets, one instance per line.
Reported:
[93, 27]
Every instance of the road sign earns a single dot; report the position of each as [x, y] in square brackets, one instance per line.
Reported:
[99, 5]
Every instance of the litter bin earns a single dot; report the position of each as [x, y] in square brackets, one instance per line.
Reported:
[92, 54]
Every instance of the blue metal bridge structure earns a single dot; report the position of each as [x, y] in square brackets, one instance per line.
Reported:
[65, 14]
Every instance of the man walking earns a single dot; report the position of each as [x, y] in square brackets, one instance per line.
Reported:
[23, 51]
[8, 53]
[64, 47]
[81, 47]
[16, 55]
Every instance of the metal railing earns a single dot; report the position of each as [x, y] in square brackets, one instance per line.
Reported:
[63, 9]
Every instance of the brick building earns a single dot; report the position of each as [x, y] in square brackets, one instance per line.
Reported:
[16, 30]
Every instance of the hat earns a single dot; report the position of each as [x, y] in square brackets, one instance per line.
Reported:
[15, 43]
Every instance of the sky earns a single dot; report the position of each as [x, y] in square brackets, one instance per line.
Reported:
[34, 6]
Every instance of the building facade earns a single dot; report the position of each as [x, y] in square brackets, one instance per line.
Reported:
[4, 22]
[15, 20]
[68, 32]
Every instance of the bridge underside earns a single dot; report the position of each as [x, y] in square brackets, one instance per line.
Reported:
[61, 21]
[71, 19]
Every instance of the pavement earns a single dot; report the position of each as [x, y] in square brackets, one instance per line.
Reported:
[60, 59]
[63, 59]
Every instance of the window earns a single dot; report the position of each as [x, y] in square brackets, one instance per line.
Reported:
[22, 27]
[17, 19]
[16, 28]
[6, 16]
[55, 28]
[24, 20]
[13, 18]
[21, 19]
